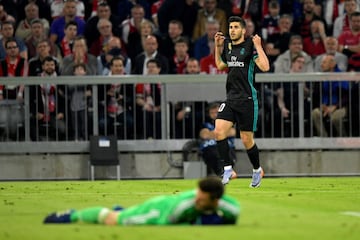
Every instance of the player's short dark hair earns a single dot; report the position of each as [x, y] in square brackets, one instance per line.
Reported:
[213, 186]
[237, 19]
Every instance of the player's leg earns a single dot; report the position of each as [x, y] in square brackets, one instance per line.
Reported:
[247, 138]
[222, 128]
[100, 215]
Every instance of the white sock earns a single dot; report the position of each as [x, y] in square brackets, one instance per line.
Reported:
[227, 167]
[257, 170]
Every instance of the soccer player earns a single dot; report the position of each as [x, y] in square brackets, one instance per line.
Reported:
[205, 205]
[240, 55]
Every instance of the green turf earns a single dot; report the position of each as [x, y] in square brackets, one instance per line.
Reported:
[283, 208]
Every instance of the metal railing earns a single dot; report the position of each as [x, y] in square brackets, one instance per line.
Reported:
[194, 92]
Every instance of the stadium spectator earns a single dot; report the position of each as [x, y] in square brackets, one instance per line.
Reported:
[207, 64]
[177, 65]
[91, 32]
[283, 61]
[67, 42]
[315, 44]
[342, 22]
[201, 45]
[47, 106]
[148, 104]
[270, 22]
[278, 43]
[37, 34]
[132, 24]
[43, 5]
[43, 51]
[116, 116]
[58, 25]
[205, 205]
[349, 42]
[250, 28]
[331, 48]
[154, 10]
[301, 25]
[79, 97]
[166, 46]
[23, 30]
[12, 96]
[124, 8]
[114, 48]
[183, 10]
[192, 66]
[333, 103]
[287, 105]
[100, 44]
[7, 32]
[5, 17]
[208, 13]
[79, 55]
[137, 38]
[57, 7]
[150, 52]
[208, 142]
[188, 115]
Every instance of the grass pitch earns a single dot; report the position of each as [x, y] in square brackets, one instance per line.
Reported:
[282, 208]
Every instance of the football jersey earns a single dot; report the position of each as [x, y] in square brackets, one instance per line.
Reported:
[175, 209]
[240, 59]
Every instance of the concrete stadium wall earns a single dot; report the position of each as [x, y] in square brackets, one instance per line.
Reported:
[156, 165]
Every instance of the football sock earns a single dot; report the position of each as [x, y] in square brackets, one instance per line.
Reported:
[223, 149]
[253, 154]
[90, 215]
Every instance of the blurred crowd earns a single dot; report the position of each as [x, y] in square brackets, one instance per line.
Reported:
[48, 38]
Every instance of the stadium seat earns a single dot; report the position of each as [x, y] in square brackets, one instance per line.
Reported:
[103, 152]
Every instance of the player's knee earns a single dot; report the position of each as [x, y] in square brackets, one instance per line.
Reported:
[247, 140]
[219, 134]
[111, 218]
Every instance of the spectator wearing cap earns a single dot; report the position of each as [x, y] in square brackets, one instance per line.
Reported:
[103, 11]
[23, 30]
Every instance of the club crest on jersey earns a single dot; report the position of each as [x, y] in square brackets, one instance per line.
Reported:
[242, 51]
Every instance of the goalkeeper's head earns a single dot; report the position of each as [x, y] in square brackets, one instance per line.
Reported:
[209, 191]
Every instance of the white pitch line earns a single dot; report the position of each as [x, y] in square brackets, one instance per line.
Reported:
[350, 213]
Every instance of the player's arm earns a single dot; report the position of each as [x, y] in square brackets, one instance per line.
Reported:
[262, 61]
[219, 46]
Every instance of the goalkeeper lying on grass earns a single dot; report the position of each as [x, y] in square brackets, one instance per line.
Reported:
[205, 205]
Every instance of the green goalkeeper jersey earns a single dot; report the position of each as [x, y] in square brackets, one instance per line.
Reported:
[175, 209]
